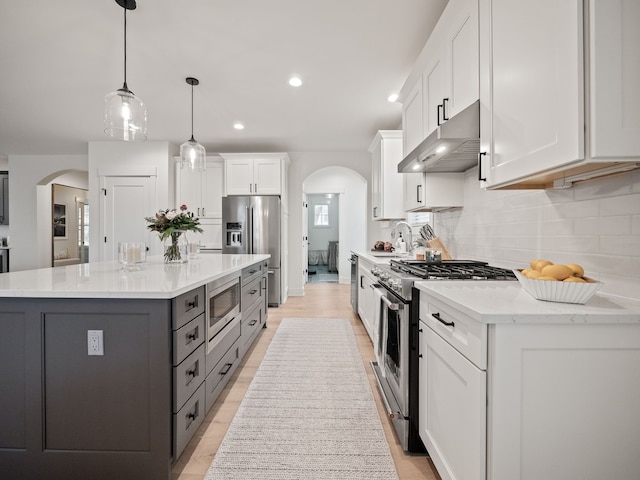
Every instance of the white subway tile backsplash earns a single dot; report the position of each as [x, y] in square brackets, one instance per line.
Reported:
[622, 205]
[594, 223]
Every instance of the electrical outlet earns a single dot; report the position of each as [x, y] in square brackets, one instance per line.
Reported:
[95, 342]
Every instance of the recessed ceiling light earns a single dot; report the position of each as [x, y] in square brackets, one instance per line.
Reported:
[392, 98]
[238, 126]
[295, 81]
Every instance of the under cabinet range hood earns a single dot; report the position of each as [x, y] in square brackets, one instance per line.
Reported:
[452, 147]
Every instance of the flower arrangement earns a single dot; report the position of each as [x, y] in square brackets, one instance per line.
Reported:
[172, 224]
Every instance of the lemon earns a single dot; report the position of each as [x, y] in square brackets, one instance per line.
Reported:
[578, 271]
[540, 264]
[575, 280]
[558, 271]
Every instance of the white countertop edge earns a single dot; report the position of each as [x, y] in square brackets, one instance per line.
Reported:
[494, 302]
[107, 280]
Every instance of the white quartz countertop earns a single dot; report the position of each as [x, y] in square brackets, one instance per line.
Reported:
[155, 279]
[377, 257]
[508, 302]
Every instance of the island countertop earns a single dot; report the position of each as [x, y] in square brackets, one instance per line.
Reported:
[154, 280]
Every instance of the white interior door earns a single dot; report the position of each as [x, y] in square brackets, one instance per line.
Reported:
[125, 201]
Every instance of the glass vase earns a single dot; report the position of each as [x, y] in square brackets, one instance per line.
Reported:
[176, 247]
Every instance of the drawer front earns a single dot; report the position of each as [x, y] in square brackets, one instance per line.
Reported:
[188, 306]
[220, 375]
[251, 294]
[249, 273]
[229, 335]
[187, 421]
[187, 377]
[252, 323]
[187, 338]
[466, 335]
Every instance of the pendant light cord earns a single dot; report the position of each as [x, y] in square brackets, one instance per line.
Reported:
[192, 139]
[125, 49]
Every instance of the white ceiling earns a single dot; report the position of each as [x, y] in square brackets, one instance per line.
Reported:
[60, 58]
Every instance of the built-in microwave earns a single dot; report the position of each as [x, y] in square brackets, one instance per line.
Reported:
[222, 308]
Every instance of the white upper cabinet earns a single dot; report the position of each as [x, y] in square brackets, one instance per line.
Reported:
[413, 128]
[254, 173]
[532, 90]
[386, 182]
[536, 88]
[450, 78]
[425, 192]
[615, 78]
[200, 191]
[444, 80]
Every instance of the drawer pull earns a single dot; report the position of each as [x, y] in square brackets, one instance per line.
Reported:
[191, 416]
[252, 323]
[192, 335]
[226, 368]
[192, 372]
[253, 292]
[437, 317]
[189, 304]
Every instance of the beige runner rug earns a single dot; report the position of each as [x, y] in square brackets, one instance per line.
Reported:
[309, 413]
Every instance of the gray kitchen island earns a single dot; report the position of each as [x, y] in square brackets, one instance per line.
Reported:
[107, 373]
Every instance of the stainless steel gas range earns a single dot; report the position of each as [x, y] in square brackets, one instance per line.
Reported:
[396, 370]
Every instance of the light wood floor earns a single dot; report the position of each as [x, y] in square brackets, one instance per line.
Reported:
[326, 300]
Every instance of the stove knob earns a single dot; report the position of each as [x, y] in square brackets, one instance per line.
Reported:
[375, 271]
[384, 276]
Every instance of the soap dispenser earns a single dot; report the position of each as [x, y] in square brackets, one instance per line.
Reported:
[401, 246]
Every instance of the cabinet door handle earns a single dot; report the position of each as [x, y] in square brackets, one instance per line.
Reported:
[361, 279]
[418, 193]
[440, 107]
[480, 177]
[226, 369]
[202, 212]
[252, 323]
[375, 209]
[444, 109]
[441, 320]
[251, 188]
[255, 187]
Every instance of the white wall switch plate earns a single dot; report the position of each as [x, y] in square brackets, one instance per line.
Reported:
[95, 342]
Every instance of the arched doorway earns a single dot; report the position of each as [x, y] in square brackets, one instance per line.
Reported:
[349, 189]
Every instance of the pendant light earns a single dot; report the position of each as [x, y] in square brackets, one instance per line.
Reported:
[125, 116]
[192, 154]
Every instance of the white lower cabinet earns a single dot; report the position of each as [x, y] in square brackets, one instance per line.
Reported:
[366, 300]
[452, 416]
[551, 399]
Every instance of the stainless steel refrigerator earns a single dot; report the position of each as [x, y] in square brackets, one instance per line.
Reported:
[252, 224]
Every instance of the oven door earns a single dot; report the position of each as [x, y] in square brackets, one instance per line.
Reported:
[394, 349]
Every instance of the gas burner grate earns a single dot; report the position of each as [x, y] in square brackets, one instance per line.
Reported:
[452, 270]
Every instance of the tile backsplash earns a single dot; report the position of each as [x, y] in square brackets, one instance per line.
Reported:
[595, 223]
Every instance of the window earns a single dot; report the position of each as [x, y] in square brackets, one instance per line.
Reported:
[321, 215]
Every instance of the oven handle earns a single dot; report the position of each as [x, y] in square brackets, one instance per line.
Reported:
[390, 305]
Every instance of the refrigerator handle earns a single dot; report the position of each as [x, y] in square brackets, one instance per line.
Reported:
[252, 245]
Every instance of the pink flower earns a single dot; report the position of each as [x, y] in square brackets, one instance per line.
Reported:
[183, 207]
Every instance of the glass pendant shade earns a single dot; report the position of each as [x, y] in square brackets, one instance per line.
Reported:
[125, 116]
[193, 155]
